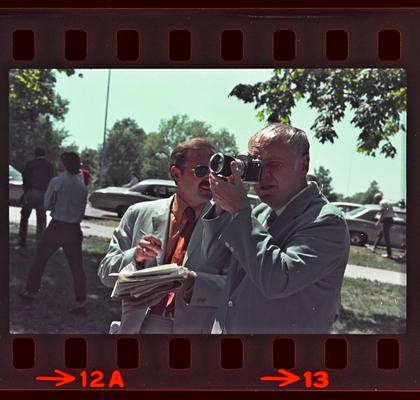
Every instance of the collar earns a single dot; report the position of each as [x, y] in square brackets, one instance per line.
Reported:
[298, 194]
[179, 205]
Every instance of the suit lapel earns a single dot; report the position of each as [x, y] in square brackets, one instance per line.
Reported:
[237, 273]
[160, 222]
[196, 237]
[296, 208]
[279, 227]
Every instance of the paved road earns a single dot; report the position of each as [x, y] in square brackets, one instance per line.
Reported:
[89, 228]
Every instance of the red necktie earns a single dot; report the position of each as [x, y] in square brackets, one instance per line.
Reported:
[167, 303]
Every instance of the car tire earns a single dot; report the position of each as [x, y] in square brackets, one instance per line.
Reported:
[357, 238]
[121, 211]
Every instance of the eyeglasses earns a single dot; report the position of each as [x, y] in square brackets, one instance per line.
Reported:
[201, 171]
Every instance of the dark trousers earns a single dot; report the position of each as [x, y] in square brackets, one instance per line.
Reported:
[33, 199]
[384, 232]
[69, 237]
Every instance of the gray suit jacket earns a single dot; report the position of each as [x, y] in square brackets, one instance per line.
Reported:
[152, 218]
[286, 279]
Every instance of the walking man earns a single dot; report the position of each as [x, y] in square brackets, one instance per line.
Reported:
[66, 197]
[386, 220]
[36, 176]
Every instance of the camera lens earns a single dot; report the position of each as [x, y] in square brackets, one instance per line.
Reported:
[217, 162]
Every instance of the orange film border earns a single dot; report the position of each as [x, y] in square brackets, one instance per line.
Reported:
[215, 39]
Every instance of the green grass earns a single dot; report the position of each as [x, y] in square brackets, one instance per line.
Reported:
[364, 257]
[367, 306]
[90, 245]
[371, 307]
[49, 312]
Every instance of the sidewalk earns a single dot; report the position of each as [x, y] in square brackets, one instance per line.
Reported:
[352, 271]
[376, 274]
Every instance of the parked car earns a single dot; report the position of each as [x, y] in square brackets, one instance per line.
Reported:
[15, 186]
[361, 222]
[118, 199]
[346, 207]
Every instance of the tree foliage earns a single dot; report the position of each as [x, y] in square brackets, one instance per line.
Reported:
[325, 183]
[90, 159]
[34, 107]
[377, 97]
[159, 145]
[124, 149]
[364, 197]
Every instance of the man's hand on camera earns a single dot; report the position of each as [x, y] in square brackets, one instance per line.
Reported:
[147, 249]
[229, 195]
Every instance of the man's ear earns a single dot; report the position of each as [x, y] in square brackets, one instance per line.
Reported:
[305, 165]
[175, 173]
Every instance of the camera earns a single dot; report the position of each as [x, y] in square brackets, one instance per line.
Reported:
[250, 167]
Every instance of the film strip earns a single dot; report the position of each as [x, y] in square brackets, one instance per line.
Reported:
[216, 39]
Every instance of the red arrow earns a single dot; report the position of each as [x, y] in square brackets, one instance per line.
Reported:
[287, 377]
[64, 379]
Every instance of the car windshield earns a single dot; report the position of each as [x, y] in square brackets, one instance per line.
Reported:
[140, 187]
[14, 174]
[159, 191]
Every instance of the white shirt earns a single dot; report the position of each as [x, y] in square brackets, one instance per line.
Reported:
[386, 208]
[66, 196]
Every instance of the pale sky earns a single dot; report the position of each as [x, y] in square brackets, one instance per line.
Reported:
[148, 95]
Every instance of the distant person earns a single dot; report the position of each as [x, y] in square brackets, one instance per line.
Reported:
[134, 179]
[36, 176]
[385, 221]
[87, 178]
[66, 197]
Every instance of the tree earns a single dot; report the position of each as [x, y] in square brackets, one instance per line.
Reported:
[324, 180]
[159, 145]
[90, 159]
[33, 108]
[364, 197]
[123, 151]
[156, 156]
[377, 97]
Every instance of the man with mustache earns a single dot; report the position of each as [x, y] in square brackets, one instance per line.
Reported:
[287, 256]
[167, 231]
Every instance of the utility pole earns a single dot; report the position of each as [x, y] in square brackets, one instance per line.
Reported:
[101, 174]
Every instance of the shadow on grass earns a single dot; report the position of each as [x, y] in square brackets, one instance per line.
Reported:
[350, 322]
[49, 313]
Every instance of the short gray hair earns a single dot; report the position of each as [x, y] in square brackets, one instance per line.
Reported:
[286, 134]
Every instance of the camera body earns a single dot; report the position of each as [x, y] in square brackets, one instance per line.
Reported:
[250, 168]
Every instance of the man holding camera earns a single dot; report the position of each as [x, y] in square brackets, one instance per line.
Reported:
[170, 231]
[286, 257]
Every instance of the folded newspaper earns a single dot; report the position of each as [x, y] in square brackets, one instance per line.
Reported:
[147, 286]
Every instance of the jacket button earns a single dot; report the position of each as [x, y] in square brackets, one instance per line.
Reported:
[230, 303]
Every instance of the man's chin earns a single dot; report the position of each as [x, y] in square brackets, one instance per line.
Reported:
[264, 191]
[205, 194]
